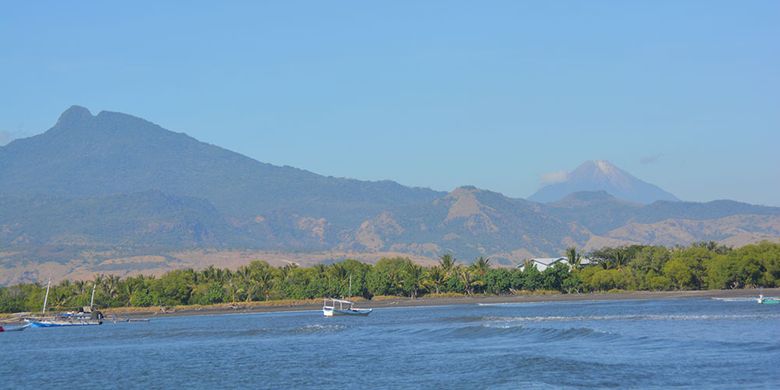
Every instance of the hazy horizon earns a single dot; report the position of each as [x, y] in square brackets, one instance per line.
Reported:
[682, 95]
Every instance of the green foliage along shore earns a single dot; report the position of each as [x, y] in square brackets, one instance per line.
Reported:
[637, 267]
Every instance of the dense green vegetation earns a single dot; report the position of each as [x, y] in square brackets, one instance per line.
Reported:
[699, 266]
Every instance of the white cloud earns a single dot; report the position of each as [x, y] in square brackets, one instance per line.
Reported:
[650, 159]
[554, 177]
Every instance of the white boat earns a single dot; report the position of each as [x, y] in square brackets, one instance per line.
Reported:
[767, 301]
[14, 328]
[338, 307]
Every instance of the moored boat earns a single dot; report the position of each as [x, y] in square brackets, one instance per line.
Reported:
[767, 301]
[86, 316]
[67, 319]
[14, 328]
[338, 307]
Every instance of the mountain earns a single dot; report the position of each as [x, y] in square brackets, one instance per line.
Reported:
[115, 193]
[141, 219]
[114, 153]
[600, 212]
[600, 175]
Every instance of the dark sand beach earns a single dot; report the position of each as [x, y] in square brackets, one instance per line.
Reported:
[389, 302]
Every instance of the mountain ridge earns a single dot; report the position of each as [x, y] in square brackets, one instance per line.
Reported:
[95, 188]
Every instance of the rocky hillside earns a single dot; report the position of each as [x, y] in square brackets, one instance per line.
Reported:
[98, 188]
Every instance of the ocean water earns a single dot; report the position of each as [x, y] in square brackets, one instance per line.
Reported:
[695, 343]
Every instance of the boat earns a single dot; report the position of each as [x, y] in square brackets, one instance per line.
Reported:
[86, 316]
[332, 307]
[767, 301]
[14, 329]
[81, 318]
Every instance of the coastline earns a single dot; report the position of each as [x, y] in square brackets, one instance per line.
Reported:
[390, 302]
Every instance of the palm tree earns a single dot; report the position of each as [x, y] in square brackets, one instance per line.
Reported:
[447, 262]
[467, 279]
[413, 279]
[621, 258]
[339, 274]
[435, 278]
[127, 289]
[61, 294]
[481, 265]
[111, 287]
[262, 277]
[574, 257]
[245, 284]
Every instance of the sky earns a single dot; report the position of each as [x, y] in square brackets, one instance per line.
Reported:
[502, 95]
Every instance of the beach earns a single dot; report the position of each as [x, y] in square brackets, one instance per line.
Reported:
[389, 302]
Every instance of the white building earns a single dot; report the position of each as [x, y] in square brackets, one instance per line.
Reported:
[542, 263]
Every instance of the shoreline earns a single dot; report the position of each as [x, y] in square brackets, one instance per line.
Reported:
[390, 302]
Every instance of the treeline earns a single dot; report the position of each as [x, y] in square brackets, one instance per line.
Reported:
[637, 267]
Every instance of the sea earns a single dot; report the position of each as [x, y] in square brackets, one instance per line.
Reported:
[673, 343]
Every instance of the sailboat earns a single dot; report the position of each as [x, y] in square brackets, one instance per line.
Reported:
[86, 316]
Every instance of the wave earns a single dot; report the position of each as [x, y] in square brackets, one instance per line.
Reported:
[742, 299]
[319, 328]
[498, 329]
[637, 317]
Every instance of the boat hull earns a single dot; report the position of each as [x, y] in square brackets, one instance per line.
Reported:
[58, 324]
[353, 312]
[15, 328]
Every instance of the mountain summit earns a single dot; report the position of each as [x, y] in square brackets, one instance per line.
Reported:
[111, 153]
[601, 175]
[110, 192]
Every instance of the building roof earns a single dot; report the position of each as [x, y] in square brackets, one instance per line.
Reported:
[549, 260]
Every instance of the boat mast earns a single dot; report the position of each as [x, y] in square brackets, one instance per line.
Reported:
[92, 300]
[46, 298]
[350, 286]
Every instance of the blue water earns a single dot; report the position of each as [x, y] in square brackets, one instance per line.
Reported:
[697, 343]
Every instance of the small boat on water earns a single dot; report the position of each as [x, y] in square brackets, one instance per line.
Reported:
[86, 316]
[338, 307]
[81, 318]
[767, 301]
[14, 328]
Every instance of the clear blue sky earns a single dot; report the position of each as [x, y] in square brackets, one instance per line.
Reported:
[683, 94]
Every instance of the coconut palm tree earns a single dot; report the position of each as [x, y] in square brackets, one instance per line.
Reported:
[574, 257]
[435, 277]
[466, 278]
[447, 263]
[338, 277]
[481, 266]
[413, 279]
[262, 279]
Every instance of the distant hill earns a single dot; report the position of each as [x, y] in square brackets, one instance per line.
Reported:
[601, 212]
[601, 175]
[112, 192]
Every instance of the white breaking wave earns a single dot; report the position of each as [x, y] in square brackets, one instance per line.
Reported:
[636, 317]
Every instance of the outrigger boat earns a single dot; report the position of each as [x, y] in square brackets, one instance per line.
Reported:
[86, 316]
[338, 307]
[767, 301]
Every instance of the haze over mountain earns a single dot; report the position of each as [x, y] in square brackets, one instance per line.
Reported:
[116, 193]
[600, 175]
